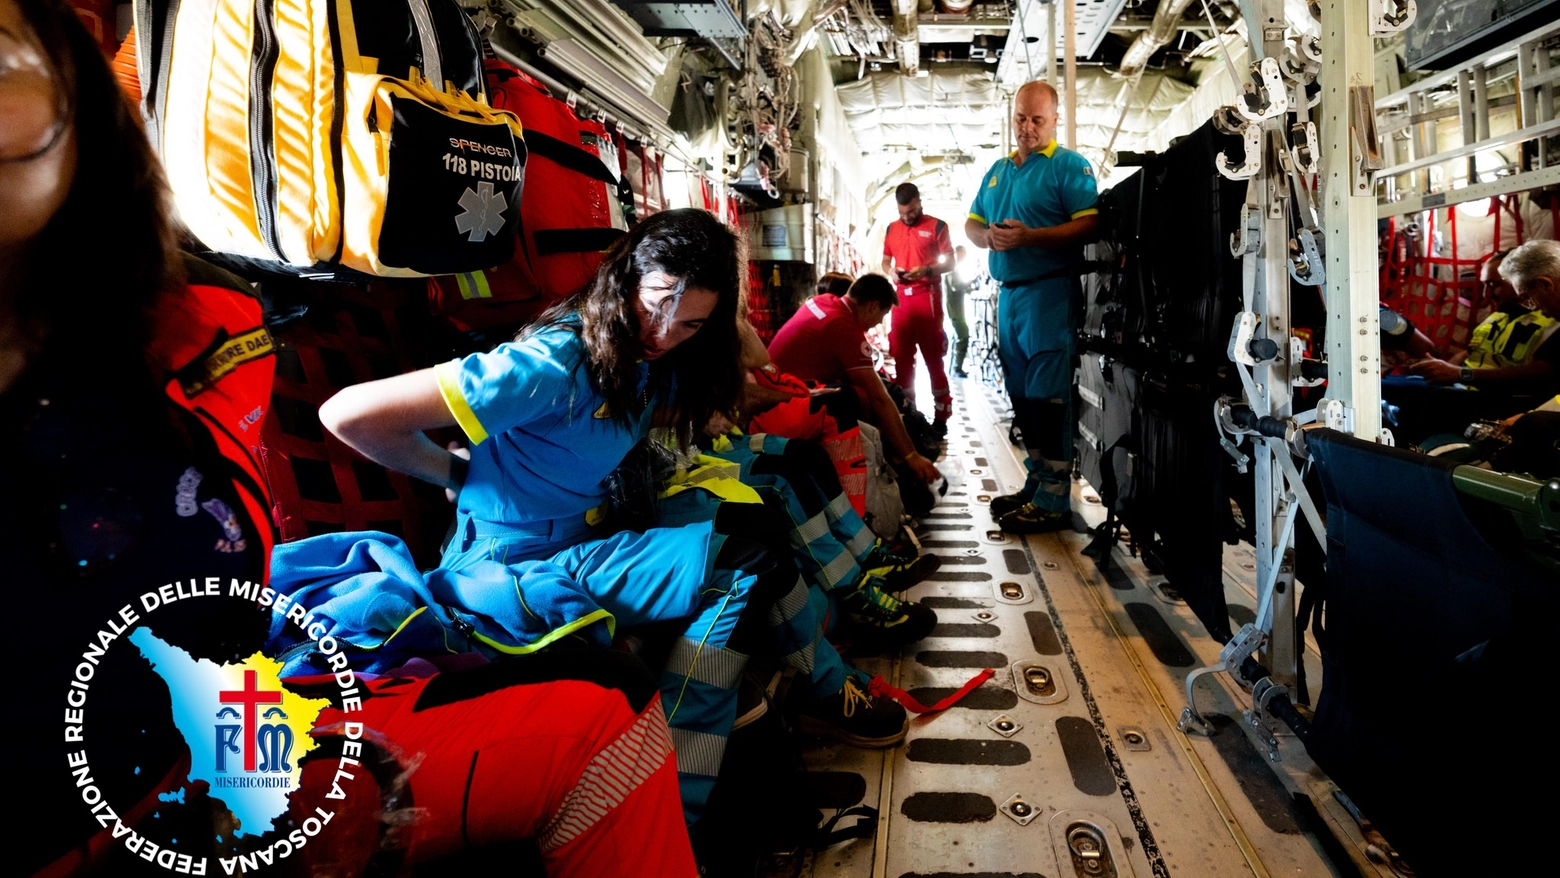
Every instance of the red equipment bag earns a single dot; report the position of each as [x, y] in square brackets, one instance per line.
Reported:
[569, 213]
[567, 750]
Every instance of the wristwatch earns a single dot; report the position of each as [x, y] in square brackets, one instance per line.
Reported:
[1466, 375]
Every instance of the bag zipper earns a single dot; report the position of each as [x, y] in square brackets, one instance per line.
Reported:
[262, 125]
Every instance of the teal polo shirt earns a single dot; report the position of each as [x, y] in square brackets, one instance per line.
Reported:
[1051, 187]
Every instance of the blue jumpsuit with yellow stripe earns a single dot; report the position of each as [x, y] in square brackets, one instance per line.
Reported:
[828, 541]
[1036, 316]
[542, 445]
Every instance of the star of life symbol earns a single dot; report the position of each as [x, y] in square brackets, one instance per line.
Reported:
[484, 212]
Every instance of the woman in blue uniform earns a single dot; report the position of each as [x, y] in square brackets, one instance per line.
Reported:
[552, 414]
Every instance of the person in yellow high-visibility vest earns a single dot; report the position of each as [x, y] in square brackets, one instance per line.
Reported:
[1510, 348]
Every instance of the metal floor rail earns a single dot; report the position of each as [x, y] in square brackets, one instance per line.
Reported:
[1068, 762]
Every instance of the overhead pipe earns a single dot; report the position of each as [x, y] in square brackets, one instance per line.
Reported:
[907, 36]
[1160, 32]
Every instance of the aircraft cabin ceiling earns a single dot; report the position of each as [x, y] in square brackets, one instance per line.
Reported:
[872, 92]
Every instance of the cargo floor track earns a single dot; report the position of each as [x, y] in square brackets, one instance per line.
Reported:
[1068, 762]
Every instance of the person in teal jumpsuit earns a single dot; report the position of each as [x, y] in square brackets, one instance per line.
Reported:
[552, 414]
[1035, 210]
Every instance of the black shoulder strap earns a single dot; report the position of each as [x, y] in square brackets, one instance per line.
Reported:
[571, 156]
[200, 272]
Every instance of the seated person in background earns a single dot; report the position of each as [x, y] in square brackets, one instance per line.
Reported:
[1429, 403]
[1510, 349]
[825, 341]
[834, 283]
[1398, 333]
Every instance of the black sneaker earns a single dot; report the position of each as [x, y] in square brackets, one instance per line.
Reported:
[855, 717]
[898, 572]
[1031, 519]
[1006, 503]
[882, 621]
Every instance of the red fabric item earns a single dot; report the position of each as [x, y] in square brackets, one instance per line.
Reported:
[98, 18]
[911, 247]
[850, 464]
[879, 688]
[569, 213]
[918, 324]
[821, 342]
[799, 419]
[567, 763]
[211, 343]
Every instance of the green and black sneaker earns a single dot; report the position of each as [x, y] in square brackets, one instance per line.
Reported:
[1031, 519]
[898, 572]
[882, 621]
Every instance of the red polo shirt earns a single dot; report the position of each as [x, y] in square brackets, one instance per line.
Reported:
[821, 342]
[914, 246]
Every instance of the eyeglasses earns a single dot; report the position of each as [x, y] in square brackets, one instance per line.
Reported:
[32, 105]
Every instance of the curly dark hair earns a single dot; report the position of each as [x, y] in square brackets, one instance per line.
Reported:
[701, 376]
[116, 215]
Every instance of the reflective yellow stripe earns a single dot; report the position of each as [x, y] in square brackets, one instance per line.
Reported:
[978, 218]
[1491, 347]
[566, 630]
[728, 490]
[1089, 211]
[479, 280]
[448, 375]
[398, 629]
[474, 285]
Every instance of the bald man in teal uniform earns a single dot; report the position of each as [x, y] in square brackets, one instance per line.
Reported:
[1035, 210]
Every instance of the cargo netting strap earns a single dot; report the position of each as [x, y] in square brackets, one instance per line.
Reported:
[880, 688]
[1442, 295]
[317, 483]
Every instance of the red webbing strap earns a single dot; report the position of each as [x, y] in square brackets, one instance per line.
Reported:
[879, 688]
[1495, 211]
[644, 177]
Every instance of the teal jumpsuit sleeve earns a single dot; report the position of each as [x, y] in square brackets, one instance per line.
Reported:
[514, 384]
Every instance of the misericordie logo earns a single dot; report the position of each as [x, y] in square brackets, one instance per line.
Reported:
[245, 730]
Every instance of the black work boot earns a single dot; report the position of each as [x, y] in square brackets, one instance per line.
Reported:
[1006, 503]
[853, 716]
[1031, 519]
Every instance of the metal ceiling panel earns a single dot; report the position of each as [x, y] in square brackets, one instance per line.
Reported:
[1025, 59]
[705, 18]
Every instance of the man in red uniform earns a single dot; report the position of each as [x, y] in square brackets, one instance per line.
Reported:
[916, 252]
[825, 341]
